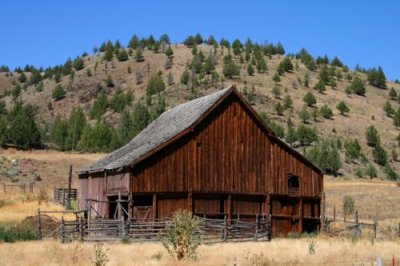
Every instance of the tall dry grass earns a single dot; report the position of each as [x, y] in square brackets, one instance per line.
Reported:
[277, 252]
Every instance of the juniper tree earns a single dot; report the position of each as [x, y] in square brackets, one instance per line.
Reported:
[372, 136]
[309, 99]
[287, 102]
[343, 108]
[357, 86]
[139, 54]
[304, 114]
[58, 93]
[393, 94]
[276, 91]
[79, 63]
[396, 118]
[250, 70]
[387, 107]
[122, 55]
[320, 86]
[326, 112]
[155, 85]
[279, 108]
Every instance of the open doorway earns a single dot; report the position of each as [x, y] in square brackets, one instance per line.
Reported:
[113, 207]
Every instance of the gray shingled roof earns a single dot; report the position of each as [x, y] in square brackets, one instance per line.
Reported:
[161, 130]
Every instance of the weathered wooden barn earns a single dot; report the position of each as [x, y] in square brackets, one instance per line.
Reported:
[213, 156]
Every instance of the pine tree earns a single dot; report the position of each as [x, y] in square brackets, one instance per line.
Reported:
[22, 77]
[122, 55]
[250, 70]
[326, 155]
[304, 114]
[306, 135]
[230, 69]
[309, 99]
[372, 136]
[279, 108]
[134, 42]
[388, 109]
[287, 102]
[393, 94]
[291, 136]
[276, 91]
[22, 130]
[185, 77]
[320, 86]
[58, 93]
[169, 52]
[396, 118]
[380, 155]
[306, 80]
[357, 86]
[326, 112]
[79, 63]
[276, 78]
[99, 107]
[139, 55]
[155, 85]
[343, 108]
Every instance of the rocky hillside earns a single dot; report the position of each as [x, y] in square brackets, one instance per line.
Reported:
[100, 73]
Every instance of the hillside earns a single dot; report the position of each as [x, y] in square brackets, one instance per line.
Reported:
[82, 90]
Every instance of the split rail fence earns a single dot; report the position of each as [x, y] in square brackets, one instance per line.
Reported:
[109, 230]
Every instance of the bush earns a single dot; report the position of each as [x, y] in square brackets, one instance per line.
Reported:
[306, 135]
[343, 108]
[182, 238]
[353, 149]
[390, 173]
[371, 171]
[122, 55]
[348, 205]
[326, 155]
[155, 85]
[380, 155]
[309, 99]
[357, 86]
[304, 114]
[230, 69]
[58, 93]
[372, 136]
[10, 233]
[326, 112]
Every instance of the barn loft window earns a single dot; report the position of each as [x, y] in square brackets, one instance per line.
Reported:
[293, 184]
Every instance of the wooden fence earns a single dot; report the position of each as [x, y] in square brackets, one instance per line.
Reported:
[66, 197]
[23, 187]
[335, 227]
[104, 230]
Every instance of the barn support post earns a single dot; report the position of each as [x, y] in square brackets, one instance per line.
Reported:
[225, 228]
[69, 187]
[300, 216]
[39, 225]
[119, 207]
[323, 210]
[190, 201]
[229, 210]
[269, 227]
[256, 228]
[154, 206]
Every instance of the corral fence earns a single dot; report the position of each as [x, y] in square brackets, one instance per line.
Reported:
[333, 226]
[66, 196]
[136, 230]
[22, 187]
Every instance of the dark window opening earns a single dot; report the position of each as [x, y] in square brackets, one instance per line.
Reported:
[113, 207]
[143, 200]
[293, 181]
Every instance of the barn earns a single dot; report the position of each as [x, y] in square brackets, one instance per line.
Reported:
[213, 156]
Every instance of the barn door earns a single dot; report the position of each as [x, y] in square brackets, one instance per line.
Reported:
[143, 208]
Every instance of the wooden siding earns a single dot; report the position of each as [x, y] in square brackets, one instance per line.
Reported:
[117, 182]
[228, 152]
[228, 164]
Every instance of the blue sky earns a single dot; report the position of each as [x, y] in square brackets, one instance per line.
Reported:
[46, 33]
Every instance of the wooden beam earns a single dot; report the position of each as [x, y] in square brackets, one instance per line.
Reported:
[229, 208]
[190, 201]
[154, 207]
[300, 216]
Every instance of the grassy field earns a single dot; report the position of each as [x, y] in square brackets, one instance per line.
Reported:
[375, 200]
[276, 252]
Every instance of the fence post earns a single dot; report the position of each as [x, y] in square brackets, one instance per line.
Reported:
[69, 187]
[81, 228]
[256, 231]
[225, 229]
[334, 212]
[269, 227]
[62, 229]
[4, 188]
[358, 230]
[375, 227]
[398, 229]
[39, 225]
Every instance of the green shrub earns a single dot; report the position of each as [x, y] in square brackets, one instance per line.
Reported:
[10, 233]
[348, 205]
[380, 155]
[326, 112]
[325, 154]
[58, 93]
[372, 136]
[182, 238]
[371, 171]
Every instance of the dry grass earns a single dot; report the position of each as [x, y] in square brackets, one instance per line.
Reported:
[276, 252]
